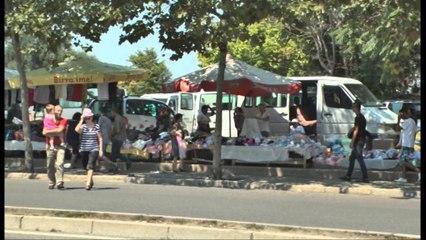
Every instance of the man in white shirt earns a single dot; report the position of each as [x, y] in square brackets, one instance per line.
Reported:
[263, 118]
[408, 129]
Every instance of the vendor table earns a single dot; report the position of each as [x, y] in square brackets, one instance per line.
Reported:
[262, 154]
[15, 145]
[372, 163]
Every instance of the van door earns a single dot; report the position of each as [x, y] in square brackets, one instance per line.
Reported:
[336, 114]
[186, 107]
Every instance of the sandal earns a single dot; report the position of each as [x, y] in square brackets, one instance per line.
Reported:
[89, 186]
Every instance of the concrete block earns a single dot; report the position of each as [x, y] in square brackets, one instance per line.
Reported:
[291, 235]
[127, 229]
[317, 188]
[193, 232]
[57, 224]
[383, 143]
[12, 221]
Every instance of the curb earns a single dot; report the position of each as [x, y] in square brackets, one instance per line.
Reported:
[165, 227]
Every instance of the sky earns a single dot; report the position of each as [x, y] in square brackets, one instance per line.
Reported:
[108, 50]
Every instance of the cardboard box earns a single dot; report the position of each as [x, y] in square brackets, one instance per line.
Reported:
[383, 143]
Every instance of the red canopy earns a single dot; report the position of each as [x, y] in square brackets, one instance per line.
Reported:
[240, 79]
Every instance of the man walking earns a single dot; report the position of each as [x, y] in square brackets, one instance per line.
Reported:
[408, 130]
[55, 157]
[357, 144]
[118, 137]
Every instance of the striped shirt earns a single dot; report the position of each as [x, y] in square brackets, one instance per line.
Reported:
[89, 139]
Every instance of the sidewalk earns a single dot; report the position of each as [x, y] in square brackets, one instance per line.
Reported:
[318, 179]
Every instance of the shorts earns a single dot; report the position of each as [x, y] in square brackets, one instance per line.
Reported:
[405, 151]
[89, 159]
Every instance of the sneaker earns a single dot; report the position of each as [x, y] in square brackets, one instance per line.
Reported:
[63, 146]
[345, 178]
[401, 180]
[51, 186]
[60, 186]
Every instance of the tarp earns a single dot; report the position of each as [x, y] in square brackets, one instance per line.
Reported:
[240, 79]
[80, 71]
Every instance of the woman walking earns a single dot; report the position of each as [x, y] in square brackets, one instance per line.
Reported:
[90, 145]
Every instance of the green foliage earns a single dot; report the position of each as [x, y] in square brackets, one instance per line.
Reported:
[157, 73]
[267, 46]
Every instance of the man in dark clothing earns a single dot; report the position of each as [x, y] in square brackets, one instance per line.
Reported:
[73, 139]
[357, 144]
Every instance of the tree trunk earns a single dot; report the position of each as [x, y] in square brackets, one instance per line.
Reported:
[29, 163]
[217, 151]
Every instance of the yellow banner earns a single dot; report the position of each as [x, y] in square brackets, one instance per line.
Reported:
[73, 78]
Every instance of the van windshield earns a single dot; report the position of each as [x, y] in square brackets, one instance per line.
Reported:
[362, 93]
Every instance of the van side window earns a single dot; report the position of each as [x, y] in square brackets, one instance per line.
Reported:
[172, 104]
[134, 107]
[335, 97]
[186, 102]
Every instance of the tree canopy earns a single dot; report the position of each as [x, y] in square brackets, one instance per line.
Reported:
[158, 73]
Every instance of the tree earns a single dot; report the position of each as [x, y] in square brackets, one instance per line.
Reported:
[186, 26]
[268, 47]
[157, 73]
[51, 23]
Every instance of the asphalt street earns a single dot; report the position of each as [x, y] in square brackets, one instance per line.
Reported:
[355, 212]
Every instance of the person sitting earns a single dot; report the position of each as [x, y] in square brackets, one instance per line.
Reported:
[309, 125]
[295, 127]
[203, 119]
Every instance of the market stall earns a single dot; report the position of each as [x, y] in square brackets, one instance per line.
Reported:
[69, 81]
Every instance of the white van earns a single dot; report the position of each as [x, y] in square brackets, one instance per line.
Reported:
[141, 112]
[329, 101]
[189, 105]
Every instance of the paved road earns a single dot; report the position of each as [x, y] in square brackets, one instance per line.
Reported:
[372, 213]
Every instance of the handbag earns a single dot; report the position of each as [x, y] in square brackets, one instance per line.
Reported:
[351, 133]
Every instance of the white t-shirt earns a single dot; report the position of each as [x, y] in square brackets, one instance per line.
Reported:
[408, 132]
[263, 125]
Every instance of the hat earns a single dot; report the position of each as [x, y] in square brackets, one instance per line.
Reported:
[87, 112]
[294, 120]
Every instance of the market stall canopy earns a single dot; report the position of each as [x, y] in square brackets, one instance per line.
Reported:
[240, 79]
[80, 71]
[8, 73]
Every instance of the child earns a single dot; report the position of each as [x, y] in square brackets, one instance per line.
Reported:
[50, 123]
[178, 146]
[295, 127]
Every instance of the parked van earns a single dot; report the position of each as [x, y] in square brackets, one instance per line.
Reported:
[329, 101]
[140, 112]
[189, 105]
[326, 99]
